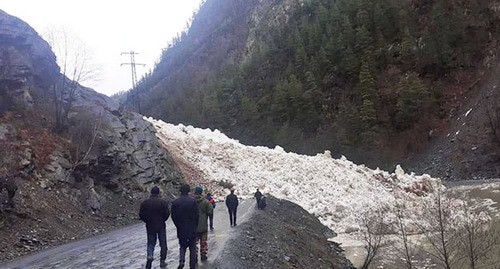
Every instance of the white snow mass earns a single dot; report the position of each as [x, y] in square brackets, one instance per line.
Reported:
[334, 190]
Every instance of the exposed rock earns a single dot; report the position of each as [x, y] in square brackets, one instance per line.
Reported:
[4, 130]
[26, 61]
[128, 149]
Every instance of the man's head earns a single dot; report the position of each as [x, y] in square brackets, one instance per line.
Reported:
[185, 189]
[155, 190]
[198, 190]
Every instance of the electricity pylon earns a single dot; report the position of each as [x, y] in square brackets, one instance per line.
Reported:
[135, 91]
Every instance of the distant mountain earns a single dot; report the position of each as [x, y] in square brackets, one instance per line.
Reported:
[374, 80]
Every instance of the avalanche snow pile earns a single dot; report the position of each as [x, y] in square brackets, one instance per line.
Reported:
[335, 190]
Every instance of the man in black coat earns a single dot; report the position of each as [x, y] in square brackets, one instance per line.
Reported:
[232, 205]
[258, 196]
[154, 212]
[185, 217]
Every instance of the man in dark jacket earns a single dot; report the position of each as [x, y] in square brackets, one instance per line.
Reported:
[232, 205]
[185, 217]
[258, 196]
[154, 212]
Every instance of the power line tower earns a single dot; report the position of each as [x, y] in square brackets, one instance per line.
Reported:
[135, 91]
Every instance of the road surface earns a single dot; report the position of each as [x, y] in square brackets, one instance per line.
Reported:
[126, 247]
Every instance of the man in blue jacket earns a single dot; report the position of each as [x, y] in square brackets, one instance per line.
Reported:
[154, 212]
[185, 217]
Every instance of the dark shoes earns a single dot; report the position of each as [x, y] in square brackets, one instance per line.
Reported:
[149, 262]
[212, 228]
[181, 265]
[204, 257]
[163, 264]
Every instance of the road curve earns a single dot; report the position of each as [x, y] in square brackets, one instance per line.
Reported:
[126, 247]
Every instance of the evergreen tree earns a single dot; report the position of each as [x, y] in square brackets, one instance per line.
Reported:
[368, 113]
[412, 96]
[367, 83]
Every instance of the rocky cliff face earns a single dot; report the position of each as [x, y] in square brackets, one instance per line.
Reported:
[85, 180]
[26, 61]
[127, 150]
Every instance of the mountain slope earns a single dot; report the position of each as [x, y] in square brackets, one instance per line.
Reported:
[468, 148]
[366, 79]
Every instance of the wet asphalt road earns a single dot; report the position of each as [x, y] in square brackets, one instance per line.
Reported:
[126, 247]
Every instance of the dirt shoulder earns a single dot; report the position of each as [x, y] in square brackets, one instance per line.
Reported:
[44, 218]
[283, 235]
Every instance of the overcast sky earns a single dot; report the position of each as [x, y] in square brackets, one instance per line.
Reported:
[110, 27]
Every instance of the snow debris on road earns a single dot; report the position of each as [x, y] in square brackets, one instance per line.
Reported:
[335, 190]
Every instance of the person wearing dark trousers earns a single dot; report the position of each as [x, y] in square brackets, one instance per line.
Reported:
[185, 216]
[211, 217]
[258, 196]
[154, 212]
[205, 209]
[232, 205]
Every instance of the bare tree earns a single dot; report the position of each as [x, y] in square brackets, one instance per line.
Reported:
[478, 241]
[441, 230]
[77, 67]
[374, 229]
[86, 138]
[400, 226]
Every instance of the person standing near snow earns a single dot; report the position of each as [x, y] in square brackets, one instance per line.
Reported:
[262, 203]
[211, 217]
[258, 196]
[154, 212]
[185, 217]
[205, 209]
[232, 205]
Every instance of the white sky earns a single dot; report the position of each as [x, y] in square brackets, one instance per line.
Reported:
[110, 27]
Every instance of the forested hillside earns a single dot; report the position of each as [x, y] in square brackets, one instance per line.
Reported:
[369, 79]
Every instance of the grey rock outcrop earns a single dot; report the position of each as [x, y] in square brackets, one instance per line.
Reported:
[26, 62]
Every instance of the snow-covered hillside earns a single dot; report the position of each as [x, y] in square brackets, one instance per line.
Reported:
[335, 190]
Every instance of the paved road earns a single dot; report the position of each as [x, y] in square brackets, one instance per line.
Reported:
[126, 248]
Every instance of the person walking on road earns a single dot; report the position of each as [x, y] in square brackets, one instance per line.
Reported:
[185, 217]
[211, 217]
[205, 209]
[258, 196]
[232, 205]
[154, 212]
